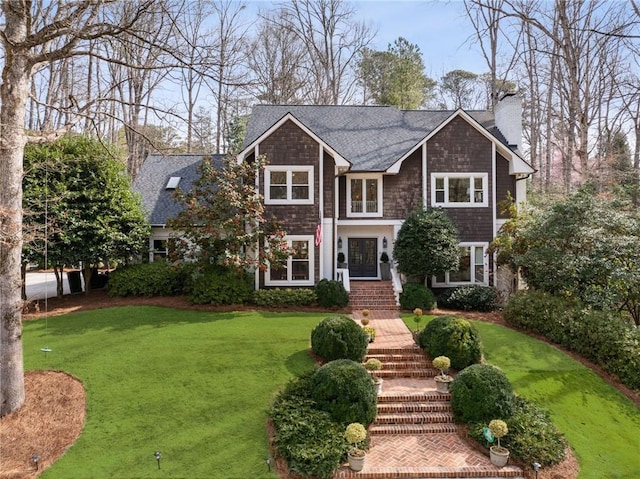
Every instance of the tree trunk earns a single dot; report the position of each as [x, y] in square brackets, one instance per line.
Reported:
[14, 92]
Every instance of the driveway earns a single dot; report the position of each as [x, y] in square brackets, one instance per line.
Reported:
[43, 285]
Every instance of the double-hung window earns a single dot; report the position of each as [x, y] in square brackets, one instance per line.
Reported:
[299, 267]
[459, 189]
[364, 195]
[284, 185]
[472, 269]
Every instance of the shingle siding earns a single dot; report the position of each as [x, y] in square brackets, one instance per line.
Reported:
[505, 184]
[460, 148]
[403, 192]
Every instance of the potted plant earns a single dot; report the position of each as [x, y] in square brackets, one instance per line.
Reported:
[499, 455]
[365, 317]
[371, 332]
[341, 263]
[417, 318]
[373, 365]
[355, 434]
[385, 267]
[443, 380]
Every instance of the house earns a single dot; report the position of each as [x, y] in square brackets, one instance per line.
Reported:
[359, 171]
[344, 178]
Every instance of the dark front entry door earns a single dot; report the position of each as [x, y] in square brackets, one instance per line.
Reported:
[363, 254]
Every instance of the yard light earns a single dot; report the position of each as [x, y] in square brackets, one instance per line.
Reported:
[157, 455]
[36, 459]
[536, 468]
[268, 461]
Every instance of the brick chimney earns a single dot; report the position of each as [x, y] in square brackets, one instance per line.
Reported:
[508, 115]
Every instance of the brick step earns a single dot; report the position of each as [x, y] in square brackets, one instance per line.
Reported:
[409, 407]
[428, 396]
[410, 359]
[414, 418]
[405, 373]
[428, 472]
[373, 349]
[417, 365]
[412, 429]
[377, 305]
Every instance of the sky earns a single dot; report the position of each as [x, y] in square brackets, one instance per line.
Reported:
[438, 27]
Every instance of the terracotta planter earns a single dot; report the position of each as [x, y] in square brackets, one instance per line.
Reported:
[356, 461]
[499, 456]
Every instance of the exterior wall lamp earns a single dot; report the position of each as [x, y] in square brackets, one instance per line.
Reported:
[384, 243]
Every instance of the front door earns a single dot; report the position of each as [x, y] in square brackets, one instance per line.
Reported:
[363, 256]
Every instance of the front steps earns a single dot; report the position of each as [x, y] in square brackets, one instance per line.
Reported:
[414, 435]
[372, 295]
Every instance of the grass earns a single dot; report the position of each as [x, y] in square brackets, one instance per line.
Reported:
[601, 425]
[193, 385]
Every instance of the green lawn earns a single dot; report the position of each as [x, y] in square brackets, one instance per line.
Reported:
[602, 426]
[193, 385]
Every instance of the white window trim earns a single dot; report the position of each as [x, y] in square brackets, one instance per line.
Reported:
[289, 282]
[289, 169]
[485, 280]
[378, 213]
[470, 204]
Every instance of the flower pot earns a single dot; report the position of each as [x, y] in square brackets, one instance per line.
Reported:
[378, 384]
[356, 461]
[443, 383]
[385, 271]
[499, 456]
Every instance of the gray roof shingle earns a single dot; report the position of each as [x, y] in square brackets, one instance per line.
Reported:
[371, 138]
[152, 180]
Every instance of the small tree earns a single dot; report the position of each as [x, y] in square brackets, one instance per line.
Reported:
[79, 189]
[427, 244]
[223, 221]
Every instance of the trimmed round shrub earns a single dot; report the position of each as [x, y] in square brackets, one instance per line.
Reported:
[481, 393]
[344, 389]
[416, 295]
[331, 293]
[218, 285]
[470, 298]
[339, 337]
[453, 337]
[147, 279]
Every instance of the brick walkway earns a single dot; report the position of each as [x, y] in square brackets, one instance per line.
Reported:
[429, 448]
